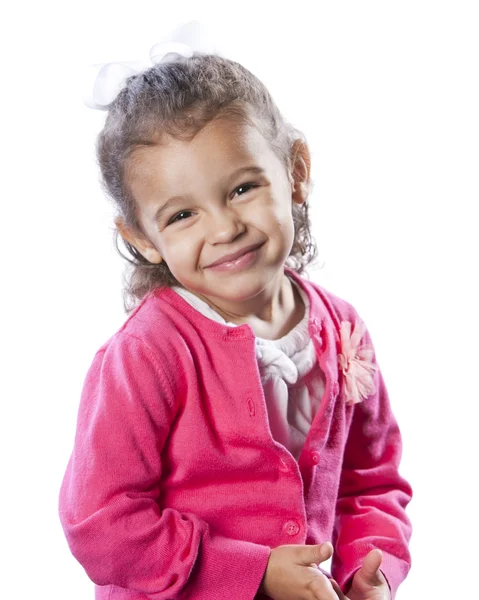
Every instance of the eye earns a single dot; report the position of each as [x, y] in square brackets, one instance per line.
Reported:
[246, 186]
[179, 217]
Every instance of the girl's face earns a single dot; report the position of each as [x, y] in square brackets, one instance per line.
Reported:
[202, 201]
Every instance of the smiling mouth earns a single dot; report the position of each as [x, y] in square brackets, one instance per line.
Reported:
[235, 256]
[239, 261]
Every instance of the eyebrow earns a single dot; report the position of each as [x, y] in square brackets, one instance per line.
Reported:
[251, 169]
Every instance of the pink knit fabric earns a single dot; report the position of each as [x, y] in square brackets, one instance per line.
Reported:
[175, 488]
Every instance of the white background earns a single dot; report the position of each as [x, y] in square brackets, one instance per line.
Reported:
[387, 95]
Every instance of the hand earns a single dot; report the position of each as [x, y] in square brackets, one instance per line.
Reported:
[291, 576]
[368, 582]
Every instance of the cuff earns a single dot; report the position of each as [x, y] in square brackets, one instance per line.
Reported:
[394, 570]
[230, 568]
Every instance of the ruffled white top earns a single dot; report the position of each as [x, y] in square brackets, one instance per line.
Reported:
[292, 380]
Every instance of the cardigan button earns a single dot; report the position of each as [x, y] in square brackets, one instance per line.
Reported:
[291, 528]
[251, 407]
[283, 466]
[315, 457]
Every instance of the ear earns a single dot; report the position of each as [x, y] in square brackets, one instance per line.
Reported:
[143, 246]
[300, 171]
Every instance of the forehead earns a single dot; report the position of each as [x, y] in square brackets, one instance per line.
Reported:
[221, 146]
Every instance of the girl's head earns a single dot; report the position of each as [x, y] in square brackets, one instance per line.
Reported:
[201, 164]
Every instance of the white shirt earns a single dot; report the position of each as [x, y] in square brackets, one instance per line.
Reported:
[293, 382]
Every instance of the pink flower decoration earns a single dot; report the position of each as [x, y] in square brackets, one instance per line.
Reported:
[356, 363]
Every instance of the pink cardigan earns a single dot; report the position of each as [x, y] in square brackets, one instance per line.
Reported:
[175, 488]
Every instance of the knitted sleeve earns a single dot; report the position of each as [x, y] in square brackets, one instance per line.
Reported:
[108, 502]
[370, 509]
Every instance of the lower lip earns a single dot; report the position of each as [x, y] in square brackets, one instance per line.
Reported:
[244, 261]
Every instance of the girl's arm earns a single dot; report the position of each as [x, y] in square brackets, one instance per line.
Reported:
[372, 498]
[108, 498]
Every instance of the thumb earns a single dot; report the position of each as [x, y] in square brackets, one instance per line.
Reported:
[316, 554]
[370, 566]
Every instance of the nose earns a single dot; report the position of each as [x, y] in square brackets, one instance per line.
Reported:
[223, 226]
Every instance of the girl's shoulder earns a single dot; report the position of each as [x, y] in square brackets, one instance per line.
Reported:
[155, 324]
[326, 305]
[337, 316]
[342, 322]
[153, 317]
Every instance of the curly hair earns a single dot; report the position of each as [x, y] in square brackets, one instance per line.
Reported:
[178, 98]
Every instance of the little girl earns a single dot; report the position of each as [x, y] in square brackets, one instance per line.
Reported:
[236, 431]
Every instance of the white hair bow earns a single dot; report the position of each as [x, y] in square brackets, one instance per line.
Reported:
[105, 81]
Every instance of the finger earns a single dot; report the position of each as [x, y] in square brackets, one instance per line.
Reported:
[370, 566]
[322, 588]
[337, 589]
[316, 554]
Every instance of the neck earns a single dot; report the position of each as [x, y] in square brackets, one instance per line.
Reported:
[271, 314]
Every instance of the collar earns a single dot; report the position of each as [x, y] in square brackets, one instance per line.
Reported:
[317, 312]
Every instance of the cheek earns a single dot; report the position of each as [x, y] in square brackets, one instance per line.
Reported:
[179, 251]
[287, 233]
[276, 221]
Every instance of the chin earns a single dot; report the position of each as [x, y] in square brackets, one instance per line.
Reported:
[239, 289]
